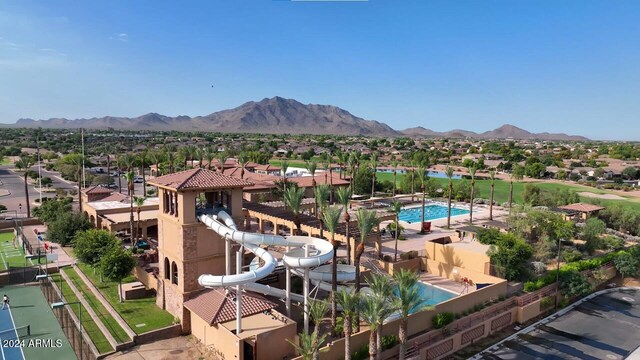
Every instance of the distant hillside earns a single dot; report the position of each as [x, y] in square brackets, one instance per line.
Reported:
[503, 132]
[275, 115]
[279, 115]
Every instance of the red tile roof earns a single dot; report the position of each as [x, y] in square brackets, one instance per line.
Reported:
[96, 190]
[581, 207]
[198, 179]
[214, 307]
[115, 197]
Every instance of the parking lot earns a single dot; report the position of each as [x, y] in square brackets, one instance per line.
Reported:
[605, 326]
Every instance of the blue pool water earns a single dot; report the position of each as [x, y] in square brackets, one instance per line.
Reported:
[431, 295]
[431, 212]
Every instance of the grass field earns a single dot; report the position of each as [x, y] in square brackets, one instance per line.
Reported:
[142, 315]
[88, 324]
[501, 194]
[9, 255]
[292, 163]
[104, 316]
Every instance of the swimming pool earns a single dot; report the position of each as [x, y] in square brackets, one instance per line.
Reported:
[431, 295]
[431, 212]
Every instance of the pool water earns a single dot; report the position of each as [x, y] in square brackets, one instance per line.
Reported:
[431, 295]
[431, 212]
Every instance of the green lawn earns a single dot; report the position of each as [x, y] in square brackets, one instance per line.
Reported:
[109, 322]
[88, 324]
[292, 163]
[501, 195]
[142, 315]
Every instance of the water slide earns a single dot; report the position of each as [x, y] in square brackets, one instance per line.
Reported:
[306, 253]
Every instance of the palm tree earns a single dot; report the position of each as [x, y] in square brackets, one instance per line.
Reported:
[321, 193]
[171, 157]
[326, 165]
[331, 218]
[107, 150]
[370, 309]
[382, 291]
[406, 299]
[492, 177]
[222, 158]
[25, 163]
[129, 176]
[142, 158]
[156, 157]
[209, 154]
[367, 221]
[472, 172]
[396, 208]
[118, 167]
[242, 161]
[311, 167]
[199, 154]
[353, 163]
[283, 167]
[344, 197]
[309, 346]
[76, 161]
[129, 162]
[413, 172]
[348, 299]
[449, 172]
[138, 202]
[293, 198]
[185, 153]
[374, 167]
[343, 158]
[394, 163]
[422, 179]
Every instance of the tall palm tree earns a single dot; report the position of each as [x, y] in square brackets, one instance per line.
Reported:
[326, 165]
[284, 166]
[394, 163]
[348, 299]
[293, 198]
[396, 208]
[138, 202]
[199, 154]
[107, 151]
[222, 158]
[492, 177]
[422, 180]
[331, 218]
[367, 221]
[449, 172]
[242, 161]
[209, 154]
[118, 167]
[353, 163]
[142, 159]
[406, 299]
[171, 157]
[344, 197]
[374, 167]
[129, 176]
[129, 161]
[370, 310]
[472, 172]
[311, 167]
[184, 152]
[321, 193]
[309, 346]
[76, 162]
[382, 290]
[25, 163]
[156, 157]
[343, 158]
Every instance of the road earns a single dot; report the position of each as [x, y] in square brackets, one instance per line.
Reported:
[14, 183]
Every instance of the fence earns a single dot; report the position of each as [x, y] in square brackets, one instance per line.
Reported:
[80, 341]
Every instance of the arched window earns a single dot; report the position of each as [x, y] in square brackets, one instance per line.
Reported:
[174, 273]
[167, 269]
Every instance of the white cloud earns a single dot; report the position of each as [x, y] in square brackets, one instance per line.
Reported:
[123, 37]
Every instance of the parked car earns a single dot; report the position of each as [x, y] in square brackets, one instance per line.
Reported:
[137, 179]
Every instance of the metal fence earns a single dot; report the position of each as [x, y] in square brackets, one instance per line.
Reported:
[80, 341]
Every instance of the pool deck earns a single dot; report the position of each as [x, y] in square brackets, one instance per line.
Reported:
[445, 284]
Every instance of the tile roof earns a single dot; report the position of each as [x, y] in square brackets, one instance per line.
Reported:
[115, 197]
[96, 190]
[581, 207]
[198, 179]
[214, 307]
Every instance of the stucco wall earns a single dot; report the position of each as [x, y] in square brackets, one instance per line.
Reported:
[458, 257]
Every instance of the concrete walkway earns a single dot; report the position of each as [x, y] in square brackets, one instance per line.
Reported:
[178, 348]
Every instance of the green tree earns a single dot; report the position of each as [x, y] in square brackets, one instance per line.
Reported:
[370, 310]
[396, 208]
[591, 234]
[65, 227]
[129, 176]
[344, 197]
[573, 284]
[367, 221]
[116, 265]
[508, 253]
[51, 209]
[626, 264]
[293, 200]
[382, 291]
[449, 172]
[138, 202]
[25, 163]
[406, 299]
[90, 245]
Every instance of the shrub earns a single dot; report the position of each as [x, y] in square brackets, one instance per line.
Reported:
[571, 255]
[441, 320]
[546, 302]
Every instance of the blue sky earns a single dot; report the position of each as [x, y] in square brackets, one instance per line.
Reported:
[556, 66]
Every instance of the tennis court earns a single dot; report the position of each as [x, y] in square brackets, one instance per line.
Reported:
[31, 320]
[10, 253]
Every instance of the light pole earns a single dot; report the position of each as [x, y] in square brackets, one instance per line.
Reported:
[61, 304]
[558, 273]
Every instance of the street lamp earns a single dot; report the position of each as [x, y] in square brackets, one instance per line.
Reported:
[61, 304]
[20, 208]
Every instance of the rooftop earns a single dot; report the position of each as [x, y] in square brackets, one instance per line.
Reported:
[581, 207]
[198, 179]
[214, 307]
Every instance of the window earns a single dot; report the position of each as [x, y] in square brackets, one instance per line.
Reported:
[174, 273]
[167, 270]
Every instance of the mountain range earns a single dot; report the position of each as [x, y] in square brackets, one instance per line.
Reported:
[280, 115]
